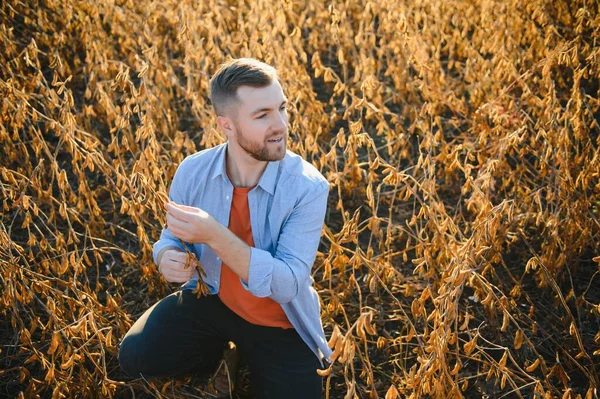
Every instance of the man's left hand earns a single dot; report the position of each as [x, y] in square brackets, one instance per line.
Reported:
[192, 225]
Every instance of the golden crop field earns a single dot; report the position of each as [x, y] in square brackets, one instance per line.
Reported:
[461, 250]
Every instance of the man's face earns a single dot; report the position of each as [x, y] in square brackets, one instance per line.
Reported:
[261, 122]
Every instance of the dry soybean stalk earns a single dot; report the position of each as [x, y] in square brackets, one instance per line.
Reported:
[201, 288]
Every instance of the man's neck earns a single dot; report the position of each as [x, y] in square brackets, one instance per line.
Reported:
[242, 169]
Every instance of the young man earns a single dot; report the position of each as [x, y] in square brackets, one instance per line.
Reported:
[252, 213]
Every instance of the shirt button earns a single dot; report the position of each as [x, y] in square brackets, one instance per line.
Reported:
[227, 197]
[218, 258]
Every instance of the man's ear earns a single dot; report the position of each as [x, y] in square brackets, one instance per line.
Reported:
[225, 123]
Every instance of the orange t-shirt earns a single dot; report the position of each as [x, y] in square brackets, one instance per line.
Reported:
[255, 310]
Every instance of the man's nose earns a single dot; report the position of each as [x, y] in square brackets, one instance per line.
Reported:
[281, 120]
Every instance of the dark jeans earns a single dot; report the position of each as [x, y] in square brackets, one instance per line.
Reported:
[181, 335]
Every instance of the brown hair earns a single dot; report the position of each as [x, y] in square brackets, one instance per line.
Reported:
[235, 73]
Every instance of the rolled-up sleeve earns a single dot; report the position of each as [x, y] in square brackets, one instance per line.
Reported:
[279, 277]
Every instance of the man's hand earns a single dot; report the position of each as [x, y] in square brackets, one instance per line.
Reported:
[192, 225]
[172, 266]
[195, 226]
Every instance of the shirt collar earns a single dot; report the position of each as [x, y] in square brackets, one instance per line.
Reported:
[220, 166]
[267, 180]
[269, 177]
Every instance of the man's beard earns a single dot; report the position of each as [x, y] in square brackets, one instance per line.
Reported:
[256, 150]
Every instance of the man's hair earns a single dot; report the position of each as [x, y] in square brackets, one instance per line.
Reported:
[235, 73]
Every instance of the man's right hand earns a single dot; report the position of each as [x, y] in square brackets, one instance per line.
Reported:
[172, 266]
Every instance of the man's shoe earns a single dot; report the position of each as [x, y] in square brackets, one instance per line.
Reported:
[224, 379]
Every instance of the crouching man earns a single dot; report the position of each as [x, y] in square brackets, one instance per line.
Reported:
[252, 213]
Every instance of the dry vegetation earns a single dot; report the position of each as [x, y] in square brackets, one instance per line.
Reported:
[461, 250]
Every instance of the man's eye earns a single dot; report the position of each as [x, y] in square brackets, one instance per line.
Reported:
[261, 116]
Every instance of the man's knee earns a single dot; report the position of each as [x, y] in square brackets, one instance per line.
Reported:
[129, 358]
[134, 356]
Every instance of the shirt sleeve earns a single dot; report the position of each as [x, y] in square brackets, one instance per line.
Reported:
[279, 277]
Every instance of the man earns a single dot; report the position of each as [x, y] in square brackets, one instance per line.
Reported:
[252, 213]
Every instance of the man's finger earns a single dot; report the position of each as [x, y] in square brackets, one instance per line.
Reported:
[180, 233]
[180, 261]
[175, 279]
[177, 212]
[171, 217]
[178, 269]
[184, 207]
[175, 223]
[177, 273]
[179, 258]
[175, 254]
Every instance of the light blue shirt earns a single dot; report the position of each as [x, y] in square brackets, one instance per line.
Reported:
[287, 210]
